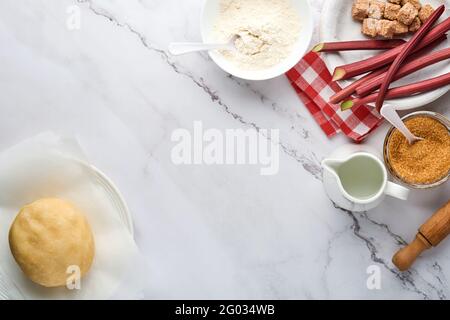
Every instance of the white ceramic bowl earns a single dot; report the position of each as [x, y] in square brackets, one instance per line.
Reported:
[209, 16]
[116, 198]
[338, 25]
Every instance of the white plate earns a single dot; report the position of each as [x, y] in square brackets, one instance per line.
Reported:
[209, 16]
[337, 25]
[113, 193]
[8, 288]
[115, 196]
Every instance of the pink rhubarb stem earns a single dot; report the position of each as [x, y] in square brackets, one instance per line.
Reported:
[358, 45]
[414, 65]
[380, 60]
[400, 92]
[407, 49]
[350, 89]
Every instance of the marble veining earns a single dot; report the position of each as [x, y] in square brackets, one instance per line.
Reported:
[310, 164]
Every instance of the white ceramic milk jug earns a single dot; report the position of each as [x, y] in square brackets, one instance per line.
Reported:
[357, 180]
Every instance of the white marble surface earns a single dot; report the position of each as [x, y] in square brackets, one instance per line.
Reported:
[207, 232]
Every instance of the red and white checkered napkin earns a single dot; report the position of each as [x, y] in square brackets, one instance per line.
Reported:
[313, 84]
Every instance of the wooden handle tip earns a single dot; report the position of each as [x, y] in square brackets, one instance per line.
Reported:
[406, 256]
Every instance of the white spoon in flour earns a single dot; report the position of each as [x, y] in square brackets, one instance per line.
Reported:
[179, 48]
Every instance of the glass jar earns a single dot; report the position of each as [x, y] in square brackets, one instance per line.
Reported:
[436, 116]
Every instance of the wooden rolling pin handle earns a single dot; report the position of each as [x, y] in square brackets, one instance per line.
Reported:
[404, 258]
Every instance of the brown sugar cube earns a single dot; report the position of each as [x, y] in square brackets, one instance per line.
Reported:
[376, 9]
[407, 14]
[386, 28]
[395, 1]
[391, 11]
[415, 25]
[400, 28]
[370, 27]
[415, 3]
[360, 9]
[425, 12]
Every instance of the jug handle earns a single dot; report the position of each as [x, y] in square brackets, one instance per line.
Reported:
[396, 191]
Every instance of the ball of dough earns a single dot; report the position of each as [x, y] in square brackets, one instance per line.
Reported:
[47, 237]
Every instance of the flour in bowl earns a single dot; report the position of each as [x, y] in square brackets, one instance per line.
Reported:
[267, 31]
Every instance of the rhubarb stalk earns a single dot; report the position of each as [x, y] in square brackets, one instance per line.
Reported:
[358, 45]
[406, 50]
[350, 89]
[400, 92]
[414, 65]
[369, 78]
[378, 61]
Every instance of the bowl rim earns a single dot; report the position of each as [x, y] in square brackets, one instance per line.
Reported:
[431, 114]
[257, 76]
[412, 102]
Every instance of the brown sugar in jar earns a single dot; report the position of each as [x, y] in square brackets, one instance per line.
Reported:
[424, 162]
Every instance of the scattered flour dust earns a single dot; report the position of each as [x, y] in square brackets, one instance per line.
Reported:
[267, 31]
